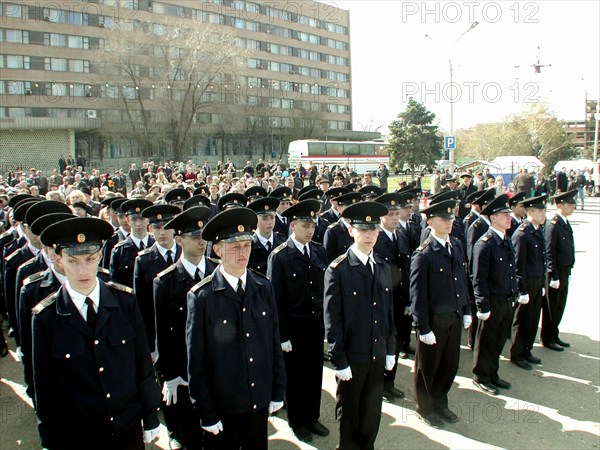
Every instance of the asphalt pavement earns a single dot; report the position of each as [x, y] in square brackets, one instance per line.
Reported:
[556, 405]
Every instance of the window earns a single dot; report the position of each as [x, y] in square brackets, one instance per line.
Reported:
[58, 40]
[351, 149]
[13, 11]
[317, 149]
[15, 36]
[56, 89]
[76, 42]
[17, 62]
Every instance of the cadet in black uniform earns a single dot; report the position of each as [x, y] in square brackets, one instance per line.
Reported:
[152, 260]
[474, 203]
[337, 239]
[120, 233]
[122, 260]
[296, 269]
[410, 222]
[264, 239]
[177, 197]
[284, 195]
[236, 372]
[495, 285]
[93, 376]
[560, 251]
[458, 231]
[171, 287]
[332, 215]
[464, 191]
[440, 304]
[370, 192]
[517, 212]
[359, 325]
[255, 192]
[530, 254]
[321, 228]
[393, 247]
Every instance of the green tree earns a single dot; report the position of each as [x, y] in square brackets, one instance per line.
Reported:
[414, 139]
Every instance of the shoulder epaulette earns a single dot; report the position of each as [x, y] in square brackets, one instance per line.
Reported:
[6, 234]
[27, 263]
[214, 260]
[145, 251]
[279, 248]
[167, 270]
[486, 237]
[12, 255]
[423, 246]
[103, 270]
[554, 220]
[337, 261]
[119, 244]
[120, 287]
[259, 275]
[476, 223]
[44, 303]
[35, 277]
[523, 226]
[316, 243]
[201, 283]
[332, 225]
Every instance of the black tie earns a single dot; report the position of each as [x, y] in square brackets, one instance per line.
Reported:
[142, 246]
[269, 246]
[395, 240]
[91, 315]
[240, 289]
[198, 275]
[369, 267]
[448, 248]
[169, 257]
[305, 251]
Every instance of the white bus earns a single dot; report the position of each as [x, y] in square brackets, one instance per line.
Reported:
[360, 156]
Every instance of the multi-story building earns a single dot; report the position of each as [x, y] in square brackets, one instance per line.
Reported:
[576, 131]
[591, 107]
[57, 99]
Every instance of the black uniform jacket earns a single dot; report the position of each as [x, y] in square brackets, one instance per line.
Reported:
[259, 254]
[337, 240]
[92, 383]
[298, 283]
[171, 287]
[235, 361]
[122, 261]
[9, 279]
[560, 246]
[329, 217]
[493, 270]
[148, 264]
[359, 315]
[281, 228]
[438, 282]
[530, 253]
[398, 257]
[108, 246]
[474, 233]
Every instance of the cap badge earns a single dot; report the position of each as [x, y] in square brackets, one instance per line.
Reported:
[159, 216]
[449, 210]
[266, 207]
[200, 224]
[312, 214]
[507, 205]
[138, 209]
[240, 228]
[368, 218]
[393, 202]
[81, 238]
[235, 201]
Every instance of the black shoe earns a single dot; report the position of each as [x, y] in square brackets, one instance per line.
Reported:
[433, 420]
[501, 383]
[319, 429]
[554, 346]
[3, 349]
[533, 360]
[403, 355]
[302, 434]
[521, 363]
[393, 392]
[563, 343]
[488, 388]
[448, 415]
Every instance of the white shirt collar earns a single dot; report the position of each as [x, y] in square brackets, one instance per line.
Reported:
[300, 246]
[476, 213]
[263, 240]
[362, 256]
[125, 233]
[137, 241]
[403, 224]
[47, 259]
[79, 299]
[163, 251]
[486, 220]
[388, 233]
[33, 249]
[565, 220]
[233, 281]
[191, 269]
[499, 233]
[60, 277]
[441, 241]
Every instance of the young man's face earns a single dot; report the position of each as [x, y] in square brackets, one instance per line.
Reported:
[303, 231]
[501, 221]
[364, 238]
[266, 223]
[405, 213]
[234, 255]
[442, 226]
[81, 270]
[566, 209]
[283, 205]
[163, 236]
[139, 226]
[34, 239]
[392, 220]
[537, 216]
[192, 246]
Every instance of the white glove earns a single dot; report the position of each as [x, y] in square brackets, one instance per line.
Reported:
[407, 310]
[19, 354]
[286, 346]
[483, 316]
[214, 429]
[523, 299]
[390, 361]
[543, 292]
[569, 280]
[427, 338]
[169, 390]
[467, 320]
[275, 406]
[150, 435]
[554, 284]
[344, 374]
[154, 356]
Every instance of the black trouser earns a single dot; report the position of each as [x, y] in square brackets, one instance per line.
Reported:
[526, 320]
[247, 431]
[128, 439]
[473, 307]
[436, 365]
[403, 325]
[304, 369]
[491, 336]
[183, 421]
[553, 306]
[359, 406]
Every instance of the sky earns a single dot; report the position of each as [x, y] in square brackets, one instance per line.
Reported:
[403, 48]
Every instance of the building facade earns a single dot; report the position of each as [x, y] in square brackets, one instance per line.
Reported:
[298, 70]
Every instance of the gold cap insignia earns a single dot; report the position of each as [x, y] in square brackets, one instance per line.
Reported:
[137, 209]
[241, 228]
[235, 201]
[449, 210]
[318, 197]
[159, 216]
[179, 197]
[393, 202]
[266, 207]
[200, 223]
[368, 218]
[353, 200]
[507, 205]
[312, 214]
[285, 194]
[81, 238]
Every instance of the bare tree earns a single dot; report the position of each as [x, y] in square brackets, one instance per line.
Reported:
[169, 72]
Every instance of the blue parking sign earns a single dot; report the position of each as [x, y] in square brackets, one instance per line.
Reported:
[450, 142]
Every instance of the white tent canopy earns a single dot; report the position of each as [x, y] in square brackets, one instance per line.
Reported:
[574, 164]
[512, 164]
